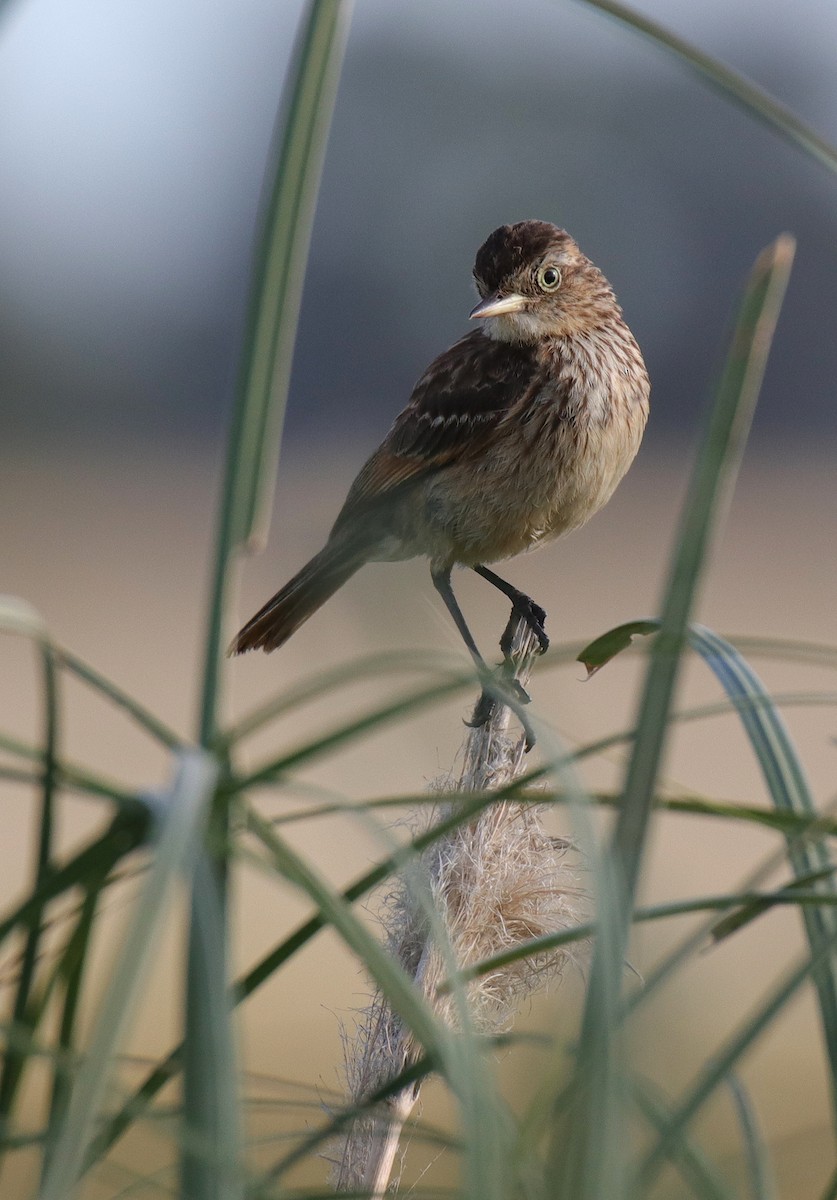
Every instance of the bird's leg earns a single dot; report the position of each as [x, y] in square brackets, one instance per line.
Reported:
[490, 693]
[523, 605]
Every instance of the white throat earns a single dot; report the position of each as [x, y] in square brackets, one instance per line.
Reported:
[513, 327]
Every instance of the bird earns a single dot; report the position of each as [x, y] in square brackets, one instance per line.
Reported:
[515, 435]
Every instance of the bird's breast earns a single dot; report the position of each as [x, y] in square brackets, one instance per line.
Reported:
[548, 470]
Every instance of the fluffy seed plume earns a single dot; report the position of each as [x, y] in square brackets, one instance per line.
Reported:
[495, 883]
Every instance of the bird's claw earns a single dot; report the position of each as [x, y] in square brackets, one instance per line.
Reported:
[502, 689]
[535, 617]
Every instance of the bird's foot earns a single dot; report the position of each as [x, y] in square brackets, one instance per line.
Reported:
[503, 688]
[527, 610]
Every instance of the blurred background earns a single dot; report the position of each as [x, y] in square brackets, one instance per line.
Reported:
[133, 140]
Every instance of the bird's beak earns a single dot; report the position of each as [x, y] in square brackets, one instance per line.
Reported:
[496, 305]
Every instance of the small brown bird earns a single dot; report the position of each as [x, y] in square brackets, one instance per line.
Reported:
[515, 435]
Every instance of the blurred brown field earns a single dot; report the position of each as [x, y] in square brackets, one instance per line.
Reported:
[112, 544]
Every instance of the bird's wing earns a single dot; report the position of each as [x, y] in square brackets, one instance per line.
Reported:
[453, 413]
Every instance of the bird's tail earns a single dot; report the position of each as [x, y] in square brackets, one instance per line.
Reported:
[300, 598]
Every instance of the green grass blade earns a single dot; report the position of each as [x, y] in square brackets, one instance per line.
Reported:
[389, 977]
[759, 1170]
[459, 1058]
[709, 493]
[253, 453]
[694, 1166]
[752, 909]
[592, 1135]
[187, 804]
[211, 1158]
[122, 836]
[71, 969]
[17, 616]
[760, 901]
[817, 653]
[14, 1063]
[349, 731]
[271, 962]
[94, 679]
[274, 309]
[752, 98]
[68, 775]
[789, 791]
[719, 1067]
[310, 103]
[369, 666]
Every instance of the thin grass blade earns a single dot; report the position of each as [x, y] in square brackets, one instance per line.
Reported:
[14, 1063]
[591, 1135]
[487, 1130]
[335, 910]
[186, 808]
[252, 456]
[99, 683]
[789, 791]
[211, 1159]
[709, 494]
[759, 1169]
[697, 1170]
[276, 293]
[71, 970]
[753, 99]
[719, 1067]
[122, 836]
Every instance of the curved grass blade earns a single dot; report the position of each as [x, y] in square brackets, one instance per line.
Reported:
[459, 1059]
[188, 802]
[762, 1184]
[693, 1164]
[748, 95]
[789, 791]
[346, 674]
[334, 909]
[71, 969]
[598, 653]
[94, 679]
[123, 835]
[754, 908]
[817, 653]
[14, 1063]
[266, 967]
[709, 493]
[591, 1134]
[18, 616]
[601, 650]
[719, 1067]
[278, 274]
[348, 732]
[253, 455]
[68, 775]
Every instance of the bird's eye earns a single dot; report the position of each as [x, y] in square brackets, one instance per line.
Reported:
[549, 279]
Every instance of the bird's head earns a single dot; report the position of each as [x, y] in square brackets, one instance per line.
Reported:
[535, 283]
